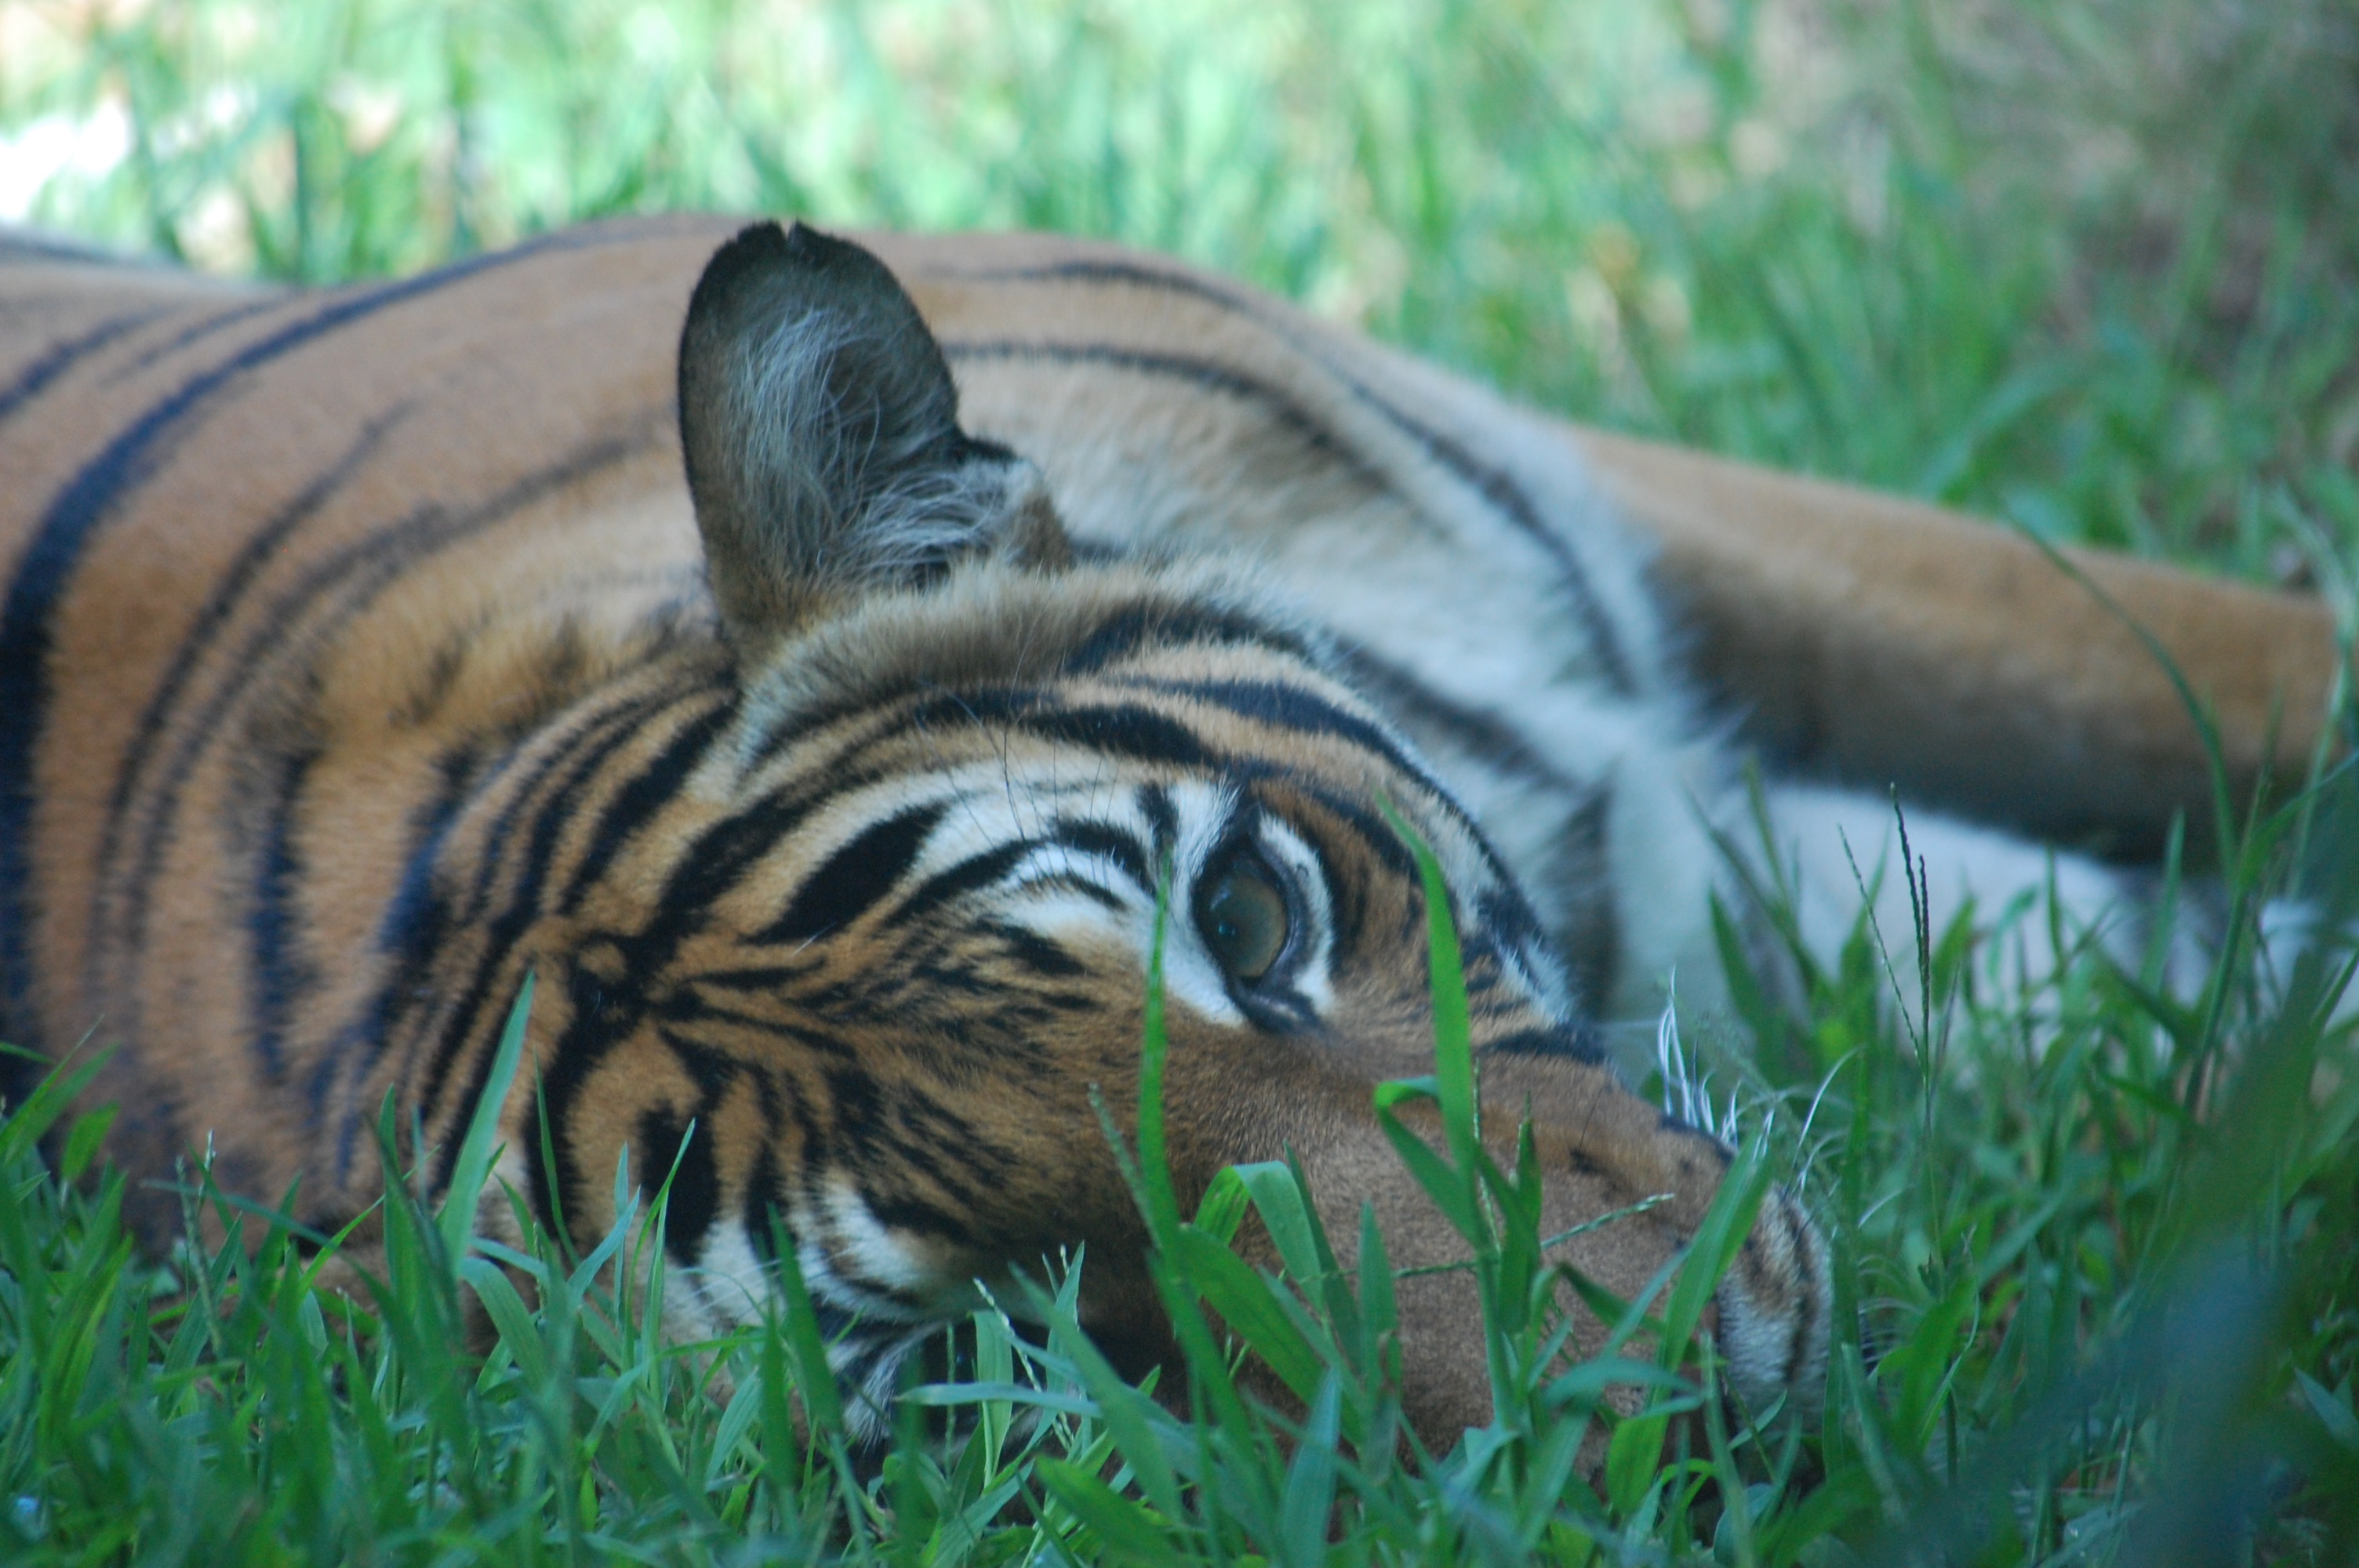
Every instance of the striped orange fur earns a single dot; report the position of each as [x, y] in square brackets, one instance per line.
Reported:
[363, 651]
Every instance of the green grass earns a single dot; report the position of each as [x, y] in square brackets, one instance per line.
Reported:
[2098, 1305]
[2090, 266]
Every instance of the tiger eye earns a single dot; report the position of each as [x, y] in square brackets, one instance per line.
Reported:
[1242, 917]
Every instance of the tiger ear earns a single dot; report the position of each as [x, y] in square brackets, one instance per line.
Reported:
[820, 430]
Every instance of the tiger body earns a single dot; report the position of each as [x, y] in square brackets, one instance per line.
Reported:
[363, 653]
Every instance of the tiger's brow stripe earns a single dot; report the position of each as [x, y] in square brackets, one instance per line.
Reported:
[1283, 706]
[357, 576]
[1287, 707]
[741, 840]
[733, 846]
[120, 469]
[969, 875]
[1131, 731]
[1375, 835]
[1131, 630]
[1494, 485]
[1074, 882]
[856, 878]
[1103, 839]
[1127, 630]
[584, 749]
[1127, 730]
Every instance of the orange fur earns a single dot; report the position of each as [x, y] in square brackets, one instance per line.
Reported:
[317, 589]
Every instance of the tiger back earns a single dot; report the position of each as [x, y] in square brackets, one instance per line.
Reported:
[362, 653]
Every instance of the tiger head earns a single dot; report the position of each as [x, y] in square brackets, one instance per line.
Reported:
[895, 958]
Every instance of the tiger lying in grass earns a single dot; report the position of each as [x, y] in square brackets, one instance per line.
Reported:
[362, 652]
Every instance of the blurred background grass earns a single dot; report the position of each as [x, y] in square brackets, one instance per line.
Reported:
[2089, 265]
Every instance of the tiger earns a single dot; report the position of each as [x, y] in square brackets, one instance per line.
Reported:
[818, 662]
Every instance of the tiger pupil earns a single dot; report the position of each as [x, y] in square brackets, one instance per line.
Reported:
[1242, 917]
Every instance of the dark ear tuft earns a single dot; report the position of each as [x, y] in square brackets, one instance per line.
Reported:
[821, 429]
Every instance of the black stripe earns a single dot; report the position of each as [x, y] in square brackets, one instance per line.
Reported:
[1209, 374]
[594, 737]
[281, 974]
[63, 356]
[856, 878]
[950, 1150]
[1123, 632]
[1284, 706]
[704, 872]
[1494, 485]
[1580, 869]
[1479, 733]
[407, 936]
[637, 803]
[1074, 883]
[208, 625]
[1122, 729]
[1039, 954]
[667, 1149]
[358, 574]
[1573, 1044]
[1162, 823]
[971, 875]
[1166, 624]
[692, 1006]
[1304, 712]
[413, 941]
[197, 332]
[708, 869]
[1112, 842]
[1374, 832]
[763, 1198]
[76, 513]
[761, 978]
[1506, 918]
[574, 768]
